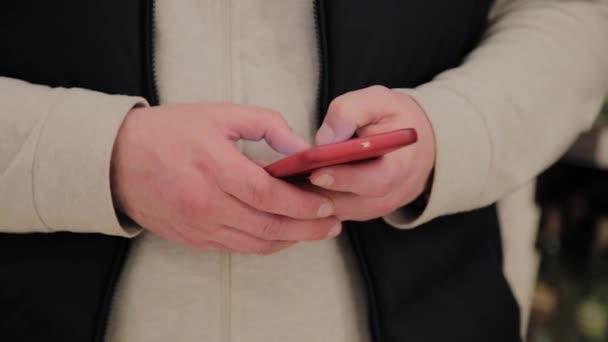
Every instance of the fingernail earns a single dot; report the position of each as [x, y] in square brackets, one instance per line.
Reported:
[325, 135]
[335, 230]
[325, 210]
[324, 180]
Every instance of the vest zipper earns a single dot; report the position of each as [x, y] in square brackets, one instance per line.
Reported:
[323, 86]
[150, 92]
[323, 102]
[118, 262]
[149, 62]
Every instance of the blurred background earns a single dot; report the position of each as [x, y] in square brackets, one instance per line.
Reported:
[570, 303]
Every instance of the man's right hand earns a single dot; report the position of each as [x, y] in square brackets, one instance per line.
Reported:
[177, 172]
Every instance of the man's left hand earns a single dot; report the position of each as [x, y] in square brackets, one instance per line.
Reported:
[371, 189]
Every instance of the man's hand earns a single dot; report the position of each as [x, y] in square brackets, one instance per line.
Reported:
[375, 188]
[177, 172]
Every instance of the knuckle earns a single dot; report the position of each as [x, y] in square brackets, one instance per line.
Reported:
[258, 191]
[338, 107]
[275, 116]
[191, 205]
[384, 94]
[272, 230]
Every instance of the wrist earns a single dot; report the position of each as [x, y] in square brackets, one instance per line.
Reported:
[420, 158]
[116, 163]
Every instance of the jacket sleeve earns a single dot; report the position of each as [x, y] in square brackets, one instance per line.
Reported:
[55, 151]
[536, 81]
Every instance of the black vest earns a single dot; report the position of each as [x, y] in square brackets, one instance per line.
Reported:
[440, 282]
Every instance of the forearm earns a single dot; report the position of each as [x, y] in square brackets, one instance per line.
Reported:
[55, 158]
[516, 103]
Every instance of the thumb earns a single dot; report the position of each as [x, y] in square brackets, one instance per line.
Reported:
[283, 139]
[353, 110]
[254, 123]
[335, 128]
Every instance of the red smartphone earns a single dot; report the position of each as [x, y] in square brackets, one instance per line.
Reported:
[297, 166]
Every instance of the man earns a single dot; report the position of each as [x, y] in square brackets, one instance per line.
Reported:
[178, 178]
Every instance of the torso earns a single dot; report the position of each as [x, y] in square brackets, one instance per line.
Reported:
[261, 53]
[253, 52]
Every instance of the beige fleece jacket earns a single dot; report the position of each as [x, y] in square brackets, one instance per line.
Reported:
[535, 82]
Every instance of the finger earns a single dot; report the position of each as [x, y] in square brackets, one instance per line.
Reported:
[177, 235]
[274, 227]
[357, 208]
[353, 207]
[254, 123]
[224, 238]
[373, 178]
[243, 243]
[356, 109]
[255, 187]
